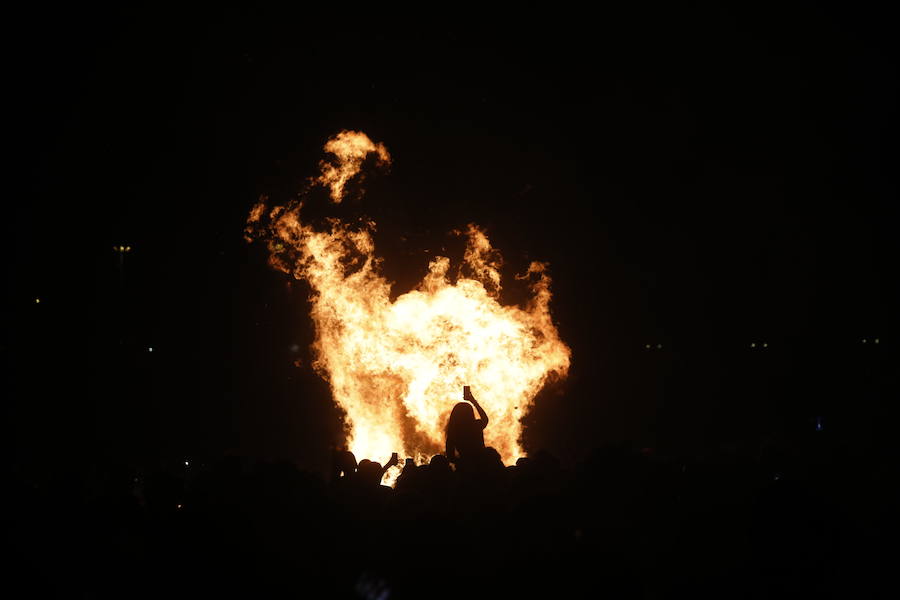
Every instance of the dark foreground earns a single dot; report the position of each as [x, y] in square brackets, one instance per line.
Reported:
[809, 521]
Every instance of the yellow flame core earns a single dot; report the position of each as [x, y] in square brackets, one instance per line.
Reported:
[398, 367]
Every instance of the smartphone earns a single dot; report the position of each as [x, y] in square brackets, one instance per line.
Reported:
[466, 392]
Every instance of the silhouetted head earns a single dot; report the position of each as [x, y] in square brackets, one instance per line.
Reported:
[492, 458]
[461, 416]
[346, 463]
[369, 472]
[439, 468]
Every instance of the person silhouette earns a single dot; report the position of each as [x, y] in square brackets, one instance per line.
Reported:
[465, 437]
[343, 465]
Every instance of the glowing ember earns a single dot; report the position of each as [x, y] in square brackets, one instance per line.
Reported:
[397, 368]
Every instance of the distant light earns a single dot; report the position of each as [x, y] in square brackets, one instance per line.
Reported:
[178, 506]
[187, 463]
[753, 344]
[659, 346]
[150, 349]
[876, 340]
[765, 345]
[647, 346]
[37, 300]
[864, 340]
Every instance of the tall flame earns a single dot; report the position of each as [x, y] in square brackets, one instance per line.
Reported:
[398, 367]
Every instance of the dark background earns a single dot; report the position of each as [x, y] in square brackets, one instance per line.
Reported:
[701, 178]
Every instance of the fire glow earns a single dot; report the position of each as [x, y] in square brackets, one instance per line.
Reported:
[398, 367]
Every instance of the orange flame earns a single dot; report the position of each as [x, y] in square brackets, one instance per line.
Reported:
[350, 148]
[397, 368]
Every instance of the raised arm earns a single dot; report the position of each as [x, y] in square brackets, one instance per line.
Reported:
[395, 460]
[467, 395]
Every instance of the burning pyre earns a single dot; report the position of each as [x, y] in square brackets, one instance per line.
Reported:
[398, 367]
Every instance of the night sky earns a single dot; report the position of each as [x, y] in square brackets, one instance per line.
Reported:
[701, 179]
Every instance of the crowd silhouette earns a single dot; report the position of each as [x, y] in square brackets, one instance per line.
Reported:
[778, 522]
